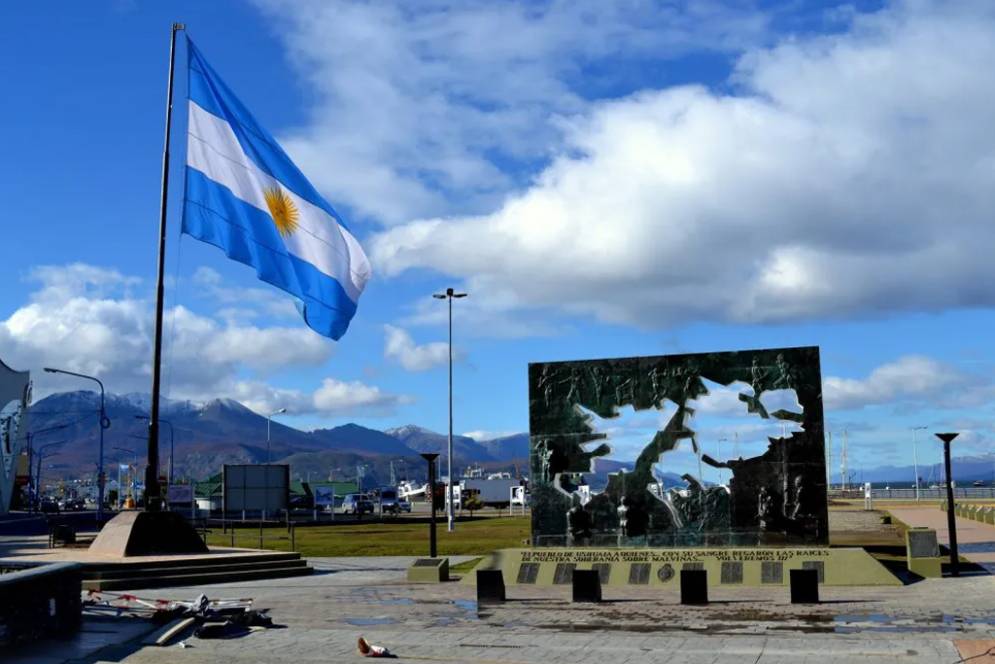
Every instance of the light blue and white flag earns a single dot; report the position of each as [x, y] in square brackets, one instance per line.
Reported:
[245, 196]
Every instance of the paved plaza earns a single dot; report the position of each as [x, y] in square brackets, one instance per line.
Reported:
[321, 616]
[324, 614]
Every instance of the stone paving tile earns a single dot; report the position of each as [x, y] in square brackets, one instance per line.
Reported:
[441, 623]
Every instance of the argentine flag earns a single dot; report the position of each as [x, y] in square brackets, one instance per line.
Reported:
[245, 196]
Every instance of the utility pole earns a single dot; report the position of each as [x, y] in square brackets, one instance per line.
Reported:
[450, 294]
[843, 477]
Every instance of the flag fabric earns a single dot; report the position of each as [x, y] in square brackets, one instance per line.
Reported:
[244, 195]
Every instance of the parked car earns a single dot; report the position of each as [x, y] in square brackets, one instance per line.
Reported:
[356, 503]
[49, 505]
[389, 501]
[403, 505]
[72, 504]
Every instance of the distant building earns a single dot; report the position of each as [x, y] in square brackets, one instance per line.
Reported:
[15, 397]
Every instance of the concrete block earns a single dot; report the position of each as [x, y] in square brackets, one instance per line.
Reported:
[694, 586]
[586, 585]
[490, 586]
[804, 586]
[429, 570]
[923, 552]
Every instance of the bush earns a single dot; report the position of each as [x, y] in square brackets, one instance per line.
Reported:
[472, 504]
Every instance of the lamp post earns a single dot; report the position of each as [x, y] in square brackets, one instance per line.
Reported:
[30, 438]
[430, 458]
[450, 515]
[277, 412]
[105, 423]
[951, 520]
[41, 457]
[169, 479]
[915, 458]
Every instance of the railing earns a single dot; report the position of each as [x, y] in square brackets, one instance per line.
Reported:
[259, 532]
[910, 494]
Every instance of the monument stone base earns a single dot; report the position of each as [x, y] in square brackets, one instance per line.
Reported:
[147, 534]
[429, 570]
[662, 567]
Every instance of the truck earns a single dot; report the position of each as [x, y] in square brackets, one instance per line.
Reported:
[495, 492]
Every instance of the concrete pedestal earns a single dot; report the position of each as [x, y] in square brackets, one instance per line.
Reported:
[147, 534]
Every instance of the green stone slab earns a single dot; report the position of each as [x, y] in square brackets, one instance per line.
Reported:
[660, 567]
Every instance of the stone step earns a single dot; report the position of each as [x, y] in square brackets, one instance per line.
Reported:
[178, 570]
[210, 560]
[195, 578]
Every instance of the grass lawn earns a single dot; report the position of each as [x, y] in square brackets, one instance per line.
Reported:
[377, 539]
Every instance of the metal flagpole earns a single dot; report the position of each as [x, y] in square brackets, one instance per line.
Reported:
[153, 501]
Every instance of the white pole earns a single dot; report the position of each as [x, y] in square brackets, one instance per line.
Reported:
[829, 464]
[915, 459]
[843, 479]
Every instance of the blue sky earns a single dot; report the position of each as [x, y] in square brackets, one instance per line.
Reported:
[605, 179]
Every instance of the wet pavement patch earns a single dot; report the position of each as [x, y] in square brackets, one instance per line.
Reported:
[365, 622]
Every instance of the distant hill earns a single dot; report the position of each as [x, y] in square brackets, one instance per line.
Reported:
[422, 440]
[966, 469]
[223, 431]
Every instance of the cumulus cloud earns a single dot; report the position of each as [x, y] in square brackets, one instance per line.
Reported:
[331, 398]
[909, 378]
[421, 110]
[848, 175]
[87, 319]
[400, 347]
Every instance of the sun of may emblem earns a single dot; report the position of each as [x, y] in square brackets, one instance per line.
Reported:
[282, 208]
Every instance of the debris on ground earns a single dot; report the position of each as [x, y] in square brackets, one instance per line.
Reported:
[209, 619]
[367, 649]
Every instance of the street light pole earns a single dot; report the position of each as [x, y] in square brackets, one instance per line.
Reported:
[282, 410]
[951, 517]
[105, 423]
[450, 515]
[41, 457]
[915, 458]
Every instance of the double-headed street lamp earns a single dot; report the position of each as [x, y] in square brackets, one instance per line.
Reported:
[30, 438]
[268, 418]
[105, 423]
[450, 515]
[915, 458]
[169, 480]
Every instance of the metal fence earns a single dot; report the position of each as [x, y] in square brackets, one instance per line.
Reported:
[910, 494]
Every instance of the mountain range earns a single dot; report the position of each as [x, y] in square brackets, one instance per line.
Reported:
[223, 431]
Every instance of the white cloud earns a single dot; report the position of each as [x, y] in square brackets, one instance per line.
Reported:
[399, 346]
[86, 319]
[909, 378]
[239, 303]
[333, 398]
[420, 110]
[336, 396]
[481, 435]
[847, 175]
